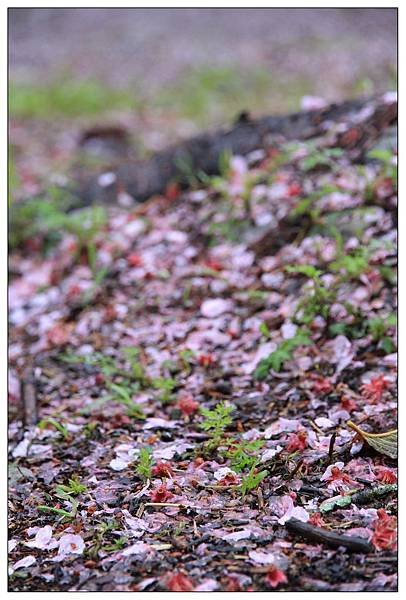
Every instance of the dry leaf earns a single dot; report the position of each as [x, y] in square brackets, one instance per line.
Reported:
[385, 443]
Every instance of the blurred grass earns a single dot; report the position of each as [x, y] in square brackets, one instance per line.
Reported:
[365, 85]
[13, 179]
[210, 95]
[67, 98]
[205, 96]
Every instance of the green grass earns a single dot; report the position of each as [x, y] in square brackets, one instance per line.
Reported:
[217, 94]
[46, 216]
[67, 98]
[13, 179]
[206, 95]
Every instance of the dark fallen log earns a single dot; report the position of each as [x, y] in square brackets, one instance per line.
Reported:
[330, 538]
[352, 124]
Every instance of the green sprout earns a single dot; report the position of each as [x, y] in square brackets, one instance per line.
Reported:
[283, 353]
[58, 426]
[217, 420]
[144, 464]
[252, 480]
[243, 454]
[74, 487]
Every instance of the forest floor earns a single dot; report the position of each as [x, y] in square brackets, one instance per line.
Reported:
[165, 74]
[195, 371]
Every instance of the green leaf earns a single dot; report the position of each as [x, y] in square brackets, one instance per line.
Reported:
[61, 428]
[307, 270]
[244, 454]
[263, 328]
[218, 419]
[252, 480]
[387, 345]
[282, 354]
[379, 154]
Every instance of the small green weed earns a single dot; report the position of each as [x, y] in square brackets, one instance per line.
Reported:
[116, 545]
[257, 295]
[166, 385]
[388, 273]
[252, 480]
[351, 265]
[378, 326]
[216, 421]
[317, 300]
[243, 454]
[305, 206]
[106, 364]
[390, 169]
[187, 172]
[144, 464]
[60, 511]
[39, 217]
[47, 218]
[132, 354]
[283, 353]
[63, 495]
[317, 158]
[187, 359]
[74, 487]
[90, 429]
[58, 426]
[264, 330]
[179, 529]
[231, 229]
[122, 394]
[101, 531]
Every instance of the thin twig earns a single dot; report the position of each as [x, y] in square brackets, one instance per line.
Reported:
[29, 397]
[144, 489]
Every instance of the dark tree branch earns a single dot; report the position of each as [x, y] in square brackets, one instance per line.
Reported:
[323, 536]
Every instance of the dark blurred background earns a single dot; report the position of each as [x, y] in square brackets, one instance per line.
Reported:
[164, 74]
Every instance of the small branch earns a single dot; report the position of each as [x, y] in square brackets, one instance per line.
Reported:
[374, 493]
[317, 534]
[29, 397]
[143, 490]
[331, 446]
[362, 497]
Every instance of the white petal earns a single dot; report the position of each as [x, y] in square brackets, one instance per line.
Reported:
[262, 558]
[27, 561]
[42, 538]
[71, 544]
[222, 472]
[117, 464]
[214, 307]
